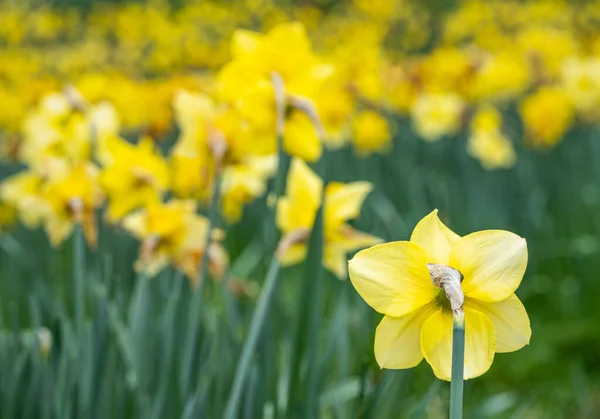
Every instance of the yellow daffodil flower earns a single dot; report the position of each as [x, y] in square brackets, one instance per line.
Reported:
[371, 133]
[172, 233]
[546, 116]
[296, 213]
[487, 143]
[244, 182]
[137, 176]
[437, 115]
[24, 192]
[581, 81]
[394, 278]
[301, 138]
[73, 198]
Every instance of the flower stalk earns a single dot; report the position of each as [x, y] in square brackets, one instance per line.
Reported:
[458, 363]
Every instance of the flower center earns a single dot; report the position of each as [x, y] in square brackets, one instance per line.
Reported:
[448, 279]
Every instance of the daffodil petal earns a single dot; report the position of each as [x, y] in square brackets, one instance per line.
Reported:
[433, 235]
[344, 201]
[493, 263]
[510, 321]
[480, 343]
[393, 277]
[303, 185]
[397, 339]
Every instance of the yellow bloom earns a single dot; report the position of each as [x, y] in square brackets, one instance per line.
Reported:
[137, 176]
[73, 198]
[244, 182]
[55, 130]
[285, 49]
[173, 233]
[24, 192]
[300, 138]
[437, 115]
[501, 76]
[371, 133]
[487, 143]
[296, 212]
[581, 81]
[546, 115]
[395, 280]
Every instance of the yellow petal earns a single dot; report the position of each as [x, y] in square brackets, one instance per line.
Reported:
[335, 261]
[510, 321]
[480, 343]
[432, 235]
[301, 139]
[344, 201]
[245, 42]
[397, 339]
[493, 263]
[393, 277]
[303, 183]
[136, 224]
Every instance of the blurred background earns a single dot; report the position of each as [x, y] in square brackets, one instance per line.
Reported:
[486, 110]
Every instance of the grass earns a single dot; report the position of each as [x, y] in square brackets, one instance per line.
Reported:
[120, 351]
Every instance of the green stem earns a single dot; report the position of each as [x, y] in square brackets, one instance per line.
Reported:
[78, 278]
[458, 364]
[196, 301]
[256, 327]
[79, 306]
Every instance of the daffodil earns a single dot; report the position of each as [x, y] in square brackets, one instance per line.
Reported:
[137, 176]
[546, 116]
[23, 191]
[296, 213]
[437, 115]
[244, 182]
[172, 233]
[73, 198]
[487, 143]
[371, 133]
[397, 280]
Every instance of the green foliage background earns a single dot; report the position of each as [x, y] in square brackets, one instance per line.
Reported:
[128, 357]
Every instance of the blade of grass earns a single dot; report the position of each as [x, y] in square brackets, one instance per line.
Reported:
[256, 326]
[193, 319]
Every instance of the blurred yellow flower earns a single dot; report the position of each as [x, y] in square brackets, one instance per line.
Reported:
[546, 116]
[501, 76]
[487, 143]
[244, 182]
[56, 129]
[395, 279]
[296, 212]
[437, 115]
[371, 133]
[24, 192]
[73, 198]
[301, 138]
[172, 233]
[137, 176]
[581, 82]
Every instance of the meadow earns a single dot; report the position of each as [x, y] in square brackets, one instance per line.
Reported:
[182, 184]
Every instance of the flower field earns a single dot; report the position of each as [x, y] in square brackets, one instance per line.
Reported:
[183, 183]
